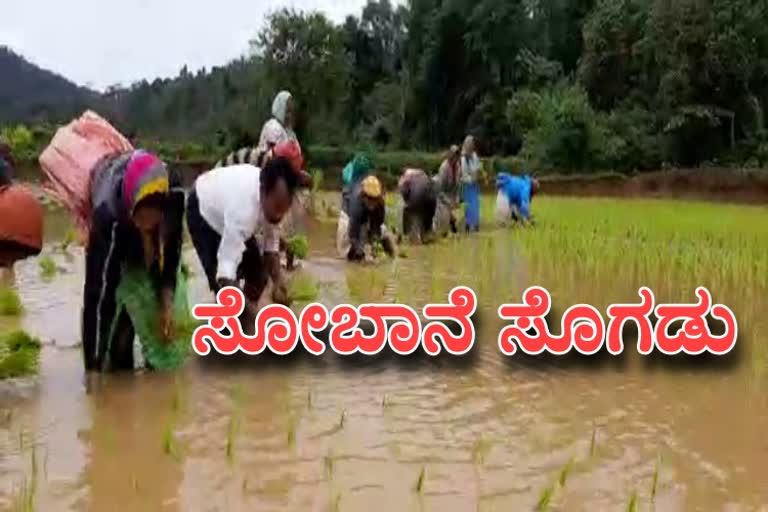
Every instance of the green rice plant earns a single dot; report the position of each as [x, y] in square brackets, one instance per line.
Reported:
[632, 505]
[27, 492]
[70, 237]
[232, 429]
[19, 354]
[328, 463]
[565, 472]
[335, 504]
[593, 444]
[299, 246]
[481, 449]
[545, 498]
[341, 420]
[303, 288]
[178, 398]
[655, 481]
[292, 434]
[10, 303]
[170, 446]
[48, 267]
[237, 394]
[421, 480]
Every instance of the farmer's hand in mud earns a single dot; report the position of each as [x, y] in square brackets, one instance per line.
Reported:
[167, 330]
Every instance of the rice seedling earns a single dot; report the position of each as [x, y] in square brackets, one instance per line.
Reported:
[178, 398]
[421, 480]
[10, 303]
[565, 472]
[48, 267]
[385, 402]
[655, 481]
[303, 288]
[169, 443]
[335, 504]
[19, 354]
[237, 394]
[134, 482]
[545, 498]
[341, 420]
[232, 429]
[309, 400]
[292, 434]
[27, 492]
[299, 246]
[593, 444]
[70, 237]
[481, 449]
[632, 505]
[328, 463]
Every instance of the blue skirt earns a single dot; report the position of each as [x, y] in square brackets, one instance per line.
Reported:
[471, 195]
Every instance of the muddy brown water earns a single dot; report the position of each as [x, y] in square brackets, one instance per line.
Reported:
[480, 433]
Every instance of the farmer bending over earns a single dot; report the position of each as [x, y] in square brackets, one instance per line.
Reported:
[362, 220]
[21, 218]
[514, 197]
[419, 205]
[448, 184]
[229, 210]
[136, 221]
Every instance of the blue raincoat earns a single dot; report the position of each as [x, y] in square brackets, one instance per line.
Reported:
[517, 190]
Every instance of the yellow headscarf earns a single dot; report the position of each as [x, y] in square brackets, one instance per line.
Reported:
[372, 187]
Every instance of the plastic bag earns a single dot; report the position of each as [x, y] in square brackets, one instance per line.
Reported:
[137, 296]
[72, 154]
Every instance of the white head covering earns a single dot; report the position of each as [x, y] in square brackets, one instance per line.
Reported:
[280, 106]
[468, 142]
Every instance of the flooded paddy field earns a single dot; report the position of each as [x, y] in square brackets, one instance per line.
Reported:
[386, 433]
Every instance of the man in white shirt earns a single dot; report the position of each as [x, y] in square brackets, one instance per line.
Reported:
[227, 210]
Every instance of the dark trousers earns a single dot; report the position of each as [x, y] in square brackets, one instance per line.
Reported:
[419, 217]
[206, 241]
[102, 277]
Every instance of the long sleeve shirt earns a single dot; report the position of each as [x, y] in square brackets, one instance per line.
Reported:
[447, 182]
[230, 202]
[518, 192]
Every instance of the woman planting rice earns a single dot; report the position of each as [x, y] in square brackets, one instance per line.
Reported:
[138, 208]
[21, 218]
[128, 208]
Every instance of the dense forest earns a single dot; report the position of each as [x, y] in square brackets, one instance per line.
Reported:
[571, 85]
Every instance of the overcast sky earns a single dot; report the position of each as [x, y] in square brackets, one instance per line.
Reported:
[101, 42]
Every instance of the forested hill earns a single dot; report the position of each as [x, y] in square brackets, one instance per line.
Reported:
[30, 94]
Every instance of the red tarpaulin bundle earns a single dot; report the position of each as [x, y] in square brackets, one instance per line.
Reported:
[70, 157]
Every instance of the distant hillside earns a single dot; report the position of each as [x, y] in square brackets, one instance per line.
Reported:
[30, 94]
